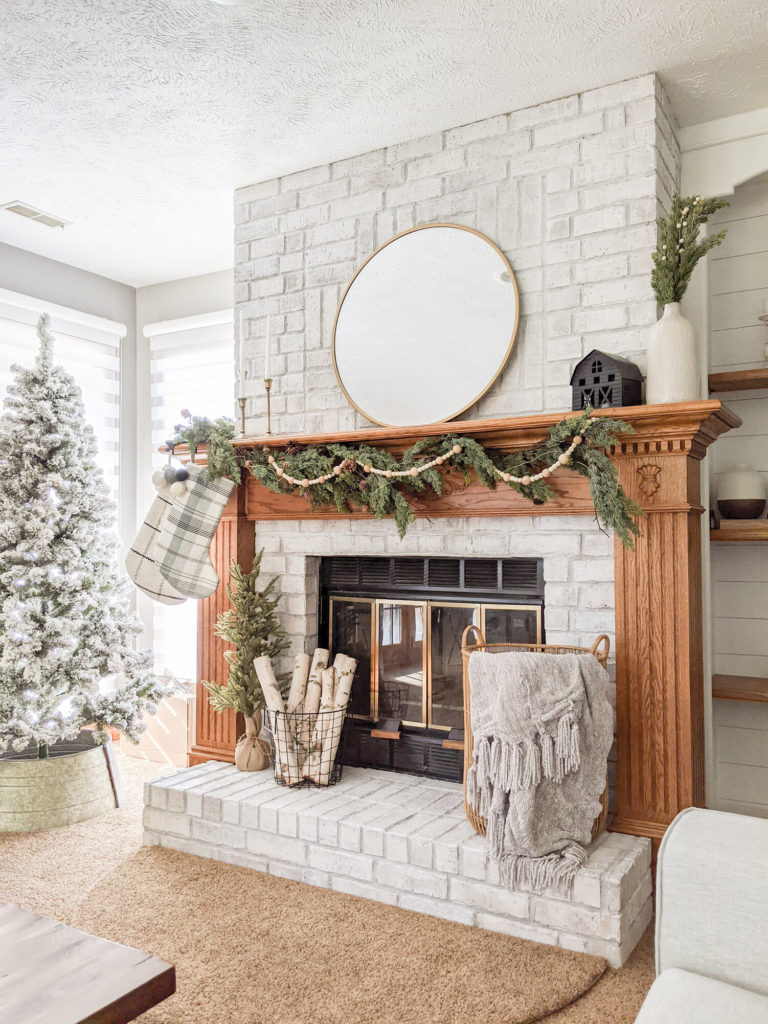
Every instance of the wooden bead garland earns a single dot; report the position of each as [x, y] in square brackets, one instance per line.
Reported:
[337, 470]
[562, 460]
[439, 460]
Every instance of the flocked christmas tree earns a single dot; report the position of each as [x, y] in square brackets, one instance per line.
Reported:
[67, 654]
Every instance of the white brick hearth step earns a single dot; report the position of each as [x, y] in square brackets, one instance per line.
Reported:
[402, 840]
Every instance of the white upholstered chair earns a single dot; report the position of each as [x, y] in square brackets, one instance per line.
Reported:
[711, 922]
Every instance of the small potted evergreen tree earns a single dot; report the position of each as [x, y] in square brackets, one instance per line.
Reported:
[252, 627]
[67, 633]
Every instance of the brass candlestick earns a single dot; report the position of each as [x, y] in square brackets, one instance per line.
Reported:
[268, 388]
[241, 400]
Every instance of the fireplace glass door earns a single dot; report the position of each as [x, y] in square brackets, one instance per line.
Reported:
[409, 654]
[447, 624]
[352, 633]
[402, 662]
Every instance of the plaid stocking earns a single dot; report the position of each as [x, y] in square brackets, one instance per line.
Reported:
[141, 560]
[187, 533]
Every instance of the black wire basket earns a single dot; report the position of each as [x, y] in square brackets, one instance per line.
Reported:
[305, 746]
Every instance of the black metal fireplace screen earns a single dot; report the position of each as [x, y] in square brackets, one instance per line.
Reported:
[402, 619]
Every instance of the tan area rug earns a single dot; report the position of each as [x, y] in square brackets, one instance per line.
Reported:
[250, 948]
[70, 874]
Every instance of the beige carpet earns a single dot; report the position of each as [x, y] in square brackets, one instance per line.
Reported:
[254, 949]
[284, 953]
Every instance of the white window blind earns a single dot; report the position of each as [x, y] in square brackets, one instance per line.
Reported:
[88, 348]
[191, 367]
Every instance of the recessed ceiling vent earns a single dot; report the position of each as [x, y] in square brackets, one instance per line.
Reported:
[32, 213]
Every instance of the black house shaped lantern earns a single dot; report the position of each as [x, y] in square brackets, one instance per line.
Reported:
[604, 381]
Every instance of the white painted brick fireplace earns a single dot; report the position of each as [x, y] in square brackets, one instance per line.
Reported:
[570, 190]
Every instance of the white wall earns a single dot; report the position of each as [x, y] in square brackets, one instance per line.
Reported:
[738, 287]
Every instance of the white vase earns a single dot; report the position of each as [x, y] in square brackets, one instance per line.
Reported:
[673, 360]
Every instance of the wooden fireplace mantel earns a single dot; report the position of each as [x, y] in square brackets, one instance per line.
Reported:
[659, 675]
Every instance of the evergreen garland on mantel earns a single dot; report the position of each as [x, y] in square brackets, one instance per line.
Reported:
[349, 486]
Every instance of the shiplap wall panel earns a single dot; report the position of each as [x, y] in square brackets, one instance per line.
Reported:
[743, 636]
[738, 287]
[743, 746]
[737, 564]
[741, 600]
[742, 781]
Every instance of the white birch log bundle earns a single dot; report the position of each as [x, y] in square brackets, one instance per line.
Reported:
[344, 672]
[285, 749]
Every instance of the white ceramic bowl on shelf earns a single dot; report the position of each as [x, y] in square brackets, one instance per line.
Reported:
[741, 493]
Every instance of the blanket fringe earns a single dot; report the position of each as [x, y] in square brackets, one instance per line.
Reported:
[516, 766]
[567, 746]
[553, 871]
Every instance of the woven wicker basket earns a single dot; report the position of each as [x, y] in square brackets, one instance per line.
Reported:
[599, 648]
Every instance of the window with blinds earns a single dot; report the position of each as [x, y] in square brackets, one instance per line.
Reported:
[91, 356]
[191, 367]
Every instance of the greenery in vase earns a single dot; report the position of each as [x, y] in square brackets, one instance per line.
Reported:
[679, 246]
[252, 627]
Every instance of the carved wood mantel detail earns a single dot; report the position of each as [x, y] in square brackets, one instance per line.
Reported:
[659, 676]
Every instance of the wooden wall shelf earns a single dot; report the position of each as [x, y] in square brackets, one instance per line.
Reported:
[738, 380]
[740, 688]
[754, 534]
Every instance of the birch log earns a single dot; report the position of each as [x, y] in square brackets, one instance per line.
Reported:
[298, 683]
[296, 697]
[312, 698]
[285, 749]
[313, 766]
[344, 672]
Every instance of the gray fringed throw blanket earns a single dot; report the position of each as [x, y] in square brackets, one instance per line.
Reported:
[542, 728]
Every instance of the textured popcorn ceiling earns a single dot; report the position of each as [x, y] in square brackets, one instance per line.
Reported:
[135, 119]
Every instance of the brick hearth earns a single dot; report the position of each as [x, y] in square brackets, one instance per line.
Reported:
[402, 840]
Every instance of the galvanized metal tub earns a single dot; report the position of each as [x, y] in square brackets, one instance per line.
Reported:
[78, 780]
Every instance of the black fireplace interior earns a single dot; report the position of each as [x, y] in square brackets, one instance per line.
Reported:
[402, 618]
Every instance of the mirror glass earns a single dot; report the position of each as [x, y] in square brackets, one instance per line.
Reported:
[425, 326]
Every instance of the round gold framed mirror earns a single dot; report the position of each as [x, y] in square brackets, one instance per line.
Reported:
[425, 326]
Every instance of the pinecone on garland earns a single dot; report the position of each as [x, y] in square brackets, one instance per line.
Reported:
[348, 465]
[292, 448]
[363, 486]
